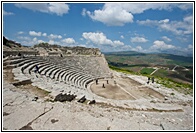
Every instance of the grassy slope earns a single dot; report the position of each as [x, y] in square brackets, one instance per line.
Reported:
[136, 63]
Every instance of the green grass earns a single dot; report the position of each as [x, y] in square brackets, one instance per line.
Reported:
[161, 79]
[121, 69]
[180, 87]
[161, 73]
[147, 71]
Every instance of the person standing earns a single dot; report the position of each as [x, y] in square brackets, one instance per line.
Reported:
[36, 68]
[103, 86]
[96, 81]
[152, 79]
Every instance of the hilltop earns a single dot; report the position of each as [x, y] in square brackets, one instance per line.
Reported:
[45, 49]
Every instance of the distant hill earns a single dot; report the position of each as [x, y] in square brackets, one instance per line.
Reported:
[128, 53]
[132, 57]
[124, 53]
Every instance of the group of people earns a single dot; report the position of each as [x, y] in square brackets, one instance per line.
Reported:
[149, 80]
[103, 86]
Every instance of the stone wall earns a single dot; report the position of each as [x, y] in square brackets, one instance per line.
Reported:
[21, 53]
[80, 51]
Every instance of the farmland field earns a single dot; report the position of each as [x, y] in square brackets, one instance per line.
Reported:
[147, 71]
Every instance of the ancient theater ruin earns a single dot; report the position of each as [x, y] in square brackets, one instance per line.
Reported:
[75, 89]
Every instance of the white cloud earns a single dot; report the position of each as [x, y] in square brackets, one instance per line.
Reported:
[190, 46]
[34, 39]
[161, 45]
[68, 40]
[147, 22]
[97, 38]
[100, 39]
[40, 41]
[24, 38]
[44, 34]
[164, 21]
[188, 19]
[111, 15]
[117, 43]
[153, 22]
[83, 12]
[29, 41]
[165, 38]
[185, 6]
[57, 8]
[53, 36]
[20, 32]
[138, 40]
[138, 49]
[187, 24]
[183, 39]
[122, 37]
[51, 42]
[33, 33]
[176, 27]
[59, 36]
[7, 13]
[118, 14]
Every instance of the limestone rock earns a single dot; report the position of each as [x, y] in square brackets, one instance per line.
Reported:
[64, 97]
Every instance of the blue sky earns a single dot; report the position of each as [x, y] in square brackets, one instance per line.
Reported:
[143, 27]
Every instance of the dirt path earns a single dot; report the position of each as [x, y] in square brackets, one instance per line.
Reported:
[154, 71]
[174, 68]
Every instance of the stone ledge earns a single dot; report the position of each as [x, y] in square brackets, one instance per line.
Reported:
[24, 82]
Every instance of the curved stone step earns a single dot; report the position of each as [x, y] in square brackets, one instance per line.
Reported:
[78, 80]
[12, 61]
[87, 82]
[45, 72]
[43, 65]
[43, 69]
[26, 66]
[54, 72]
[49, 72]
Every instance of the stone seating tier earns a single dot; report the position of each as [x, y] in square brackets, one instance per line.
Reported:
[76, 71]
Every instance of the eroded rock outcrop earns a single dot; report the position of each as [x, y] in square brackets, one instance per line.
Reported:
[44, 49]
[64, 97]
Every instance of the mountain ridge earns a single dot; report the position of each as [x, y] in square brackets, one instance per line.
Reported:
[127, 53]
